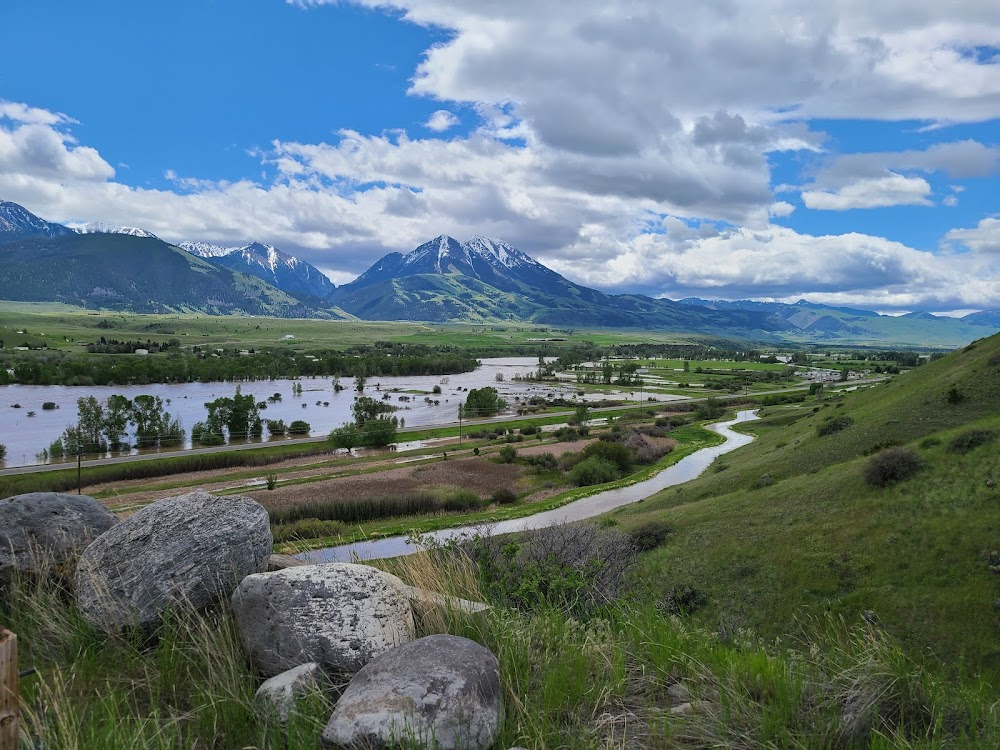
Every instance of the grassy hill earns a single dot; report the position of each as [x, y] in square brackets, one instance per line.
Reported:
[113, 271]
[788, 527]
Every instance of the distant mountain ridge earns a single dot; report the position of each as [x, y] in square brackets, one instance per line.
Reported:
[444, 280]
[45, 262]
[100, 227]
[266, 262]
[817, 322]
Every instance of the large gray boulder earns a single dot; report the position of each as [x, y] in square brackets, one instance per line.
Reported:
[338, 614]
[43, 531]
[190, 550]
[441, 691]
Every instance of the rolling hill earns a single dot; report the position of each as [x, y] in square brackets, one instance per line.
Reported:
[788, 528]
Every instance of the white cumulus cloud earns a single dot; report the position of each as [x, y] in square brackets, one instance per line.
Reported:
[441, 120]
[878, 192]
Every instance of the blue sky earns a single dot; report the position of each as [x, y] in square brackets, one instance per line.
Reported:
[839, 152]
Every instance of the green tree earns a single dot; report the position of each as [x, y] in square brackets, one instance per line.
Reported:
[582, 415]
[607, 371]
[3, 452]
[366, 408]
[360, 381]
[239, 414]
[379, 432]
[346, 436]
[117, 416]
[90, 424]
[483, 402]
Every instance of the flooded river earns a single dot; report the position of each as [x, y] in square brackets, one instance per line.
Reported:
[26, 436]
[684, 470]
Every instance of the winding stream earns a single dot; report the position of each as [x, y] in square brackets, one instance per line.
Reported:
[684, 470]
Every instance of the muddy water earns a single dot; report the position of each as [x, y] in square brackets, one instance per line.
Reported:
[25, 437]
[684, 470]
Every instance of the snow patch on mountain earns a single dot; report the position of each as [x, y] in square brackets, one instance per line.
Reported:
[101, 227]
[207, 249]
[17, 222]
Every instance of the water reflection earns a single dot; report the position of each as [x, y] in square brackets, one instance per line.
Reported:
[318, 404]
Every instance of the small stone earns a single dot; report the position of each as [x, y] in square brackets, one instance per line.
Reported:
[280, 692]
[678, 693]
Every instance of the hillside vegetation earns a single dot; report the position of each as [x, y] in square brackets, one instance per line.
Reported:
[789, 527]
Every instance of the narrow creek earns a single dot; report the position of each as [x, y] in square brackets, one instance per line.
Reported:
[684, 470]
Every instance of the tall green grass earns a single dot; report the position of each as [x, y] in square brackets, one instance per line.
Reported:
[615, 679]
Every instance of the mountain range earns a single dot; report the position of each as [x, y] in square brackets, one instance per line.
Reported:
[444, 280]
[281, 270]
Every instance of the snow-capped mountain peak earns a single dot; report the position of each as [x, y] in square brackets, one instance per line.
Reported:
[101, 227]
[207, 249]
[266, 262]
[498, 251]
[17, 222]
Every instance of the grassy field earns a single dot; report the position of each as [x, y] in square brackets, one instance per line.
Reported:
[60, 326]
[788, 527]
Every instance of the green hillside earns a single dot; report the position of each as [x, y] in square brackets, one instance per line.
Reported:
[788, 528]
[113, 271]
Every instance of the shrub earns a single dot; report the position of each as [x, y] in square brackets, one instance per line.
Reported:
[456, 500]
[530, 430]
[299, 427]
[576, 567]
[892, 465]
[834, 424]
[971, 440]
[764, 480]
[594, 470]
[507, 454]
[543, 462]
[504, 496]
[49, 406]
[475, 451]
[276, 427]
[3, 452]
[930, 442]
[650, 535]
[566, 434]
[954, 396]
[683, 599]
[271, 480]
[615, 453]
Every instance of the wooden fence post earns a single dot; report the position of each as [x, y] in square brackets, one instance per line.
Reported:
[9, 693]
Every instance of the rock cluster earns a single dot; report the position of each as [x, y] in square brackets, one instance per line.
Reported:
[305, 627]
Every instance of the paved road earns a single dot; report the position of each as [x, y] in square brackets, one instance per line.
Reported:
[322, 438]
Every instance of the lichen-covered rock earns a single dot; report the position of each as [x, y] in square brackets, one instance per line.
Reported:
[338, 614]
[441, 691]
[278, 694]
[41, 531]
[191, 550]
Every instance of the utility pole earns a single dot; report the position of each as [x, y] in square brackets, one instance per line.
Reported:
[79, 468]
[461, 410]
